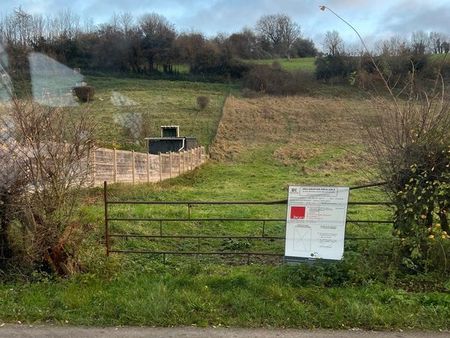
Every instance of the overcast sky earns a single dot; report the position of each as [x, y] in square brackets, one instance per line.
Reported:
[375, 19]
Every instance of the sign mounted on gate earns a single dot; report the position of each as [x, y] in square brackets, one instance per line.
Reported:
[315, 225]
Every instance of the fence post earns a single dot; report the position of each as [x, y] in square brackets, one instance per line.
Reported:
[93, 167]
[183, 166]
[132, 166]
[148, 168]
[170, 164]
[160, 167]
[188, 160]
[114, 165]
[186, 154]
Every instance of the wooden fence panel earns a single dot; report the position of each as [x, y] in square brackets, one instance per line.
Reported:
[121, 166]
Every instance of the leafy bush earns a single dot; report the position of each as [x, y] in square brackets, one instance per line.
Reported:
[210, 63]
[84, 93]
[202, 102]
[421, 218]
[276, 81]
[396, 69]
[337, 66]
[412, 150]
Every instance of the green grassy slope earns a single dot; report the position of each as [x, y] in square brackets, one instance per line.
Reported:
[128, 110]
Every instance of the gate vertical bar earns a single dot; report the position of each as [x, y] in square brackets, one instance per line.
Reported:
[105, 199]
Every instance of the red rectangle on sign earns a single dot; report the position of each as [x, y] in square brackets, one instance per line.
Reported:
[298, 212]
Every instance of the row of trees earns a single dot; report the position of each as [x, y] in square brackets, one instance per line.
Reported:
[420, 43]
[396, 58]
[151, 43]
[148, 43]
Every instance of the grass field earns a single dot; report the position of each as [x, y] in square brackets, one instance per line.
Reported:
[260, 147]
[305, 64]
[128, 110]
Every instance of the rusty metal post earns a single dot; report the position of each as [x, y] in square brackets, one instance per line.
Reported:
[105, 200]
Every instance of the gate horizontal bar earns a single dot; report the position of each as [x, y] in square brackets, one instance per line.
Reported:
[119, 219]
[199, 202]
[197, 253]
[228, 203]
[226, 237]
[369, 185]
[369, 221]
[197, 219]
[196, 237]
[370, 203]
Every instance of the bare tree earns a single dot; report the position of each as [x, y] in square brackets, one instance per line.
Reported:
[125, 22]
[395, 46]
[279, 31]
[333, 43]
[437, 41]
[420, 42]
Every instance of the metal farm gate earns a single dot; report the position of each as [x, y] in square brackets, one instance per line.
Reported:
[201, 228]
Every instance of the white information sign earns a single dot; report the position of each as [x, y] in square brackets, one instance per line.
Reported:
[315, 226]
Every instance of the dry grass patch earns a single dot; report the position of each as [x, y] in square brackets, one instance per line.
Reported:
[301, 126]
[295, 152]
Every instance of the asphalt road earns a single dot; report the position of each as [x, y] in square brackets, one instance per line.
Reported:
[25, 331]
